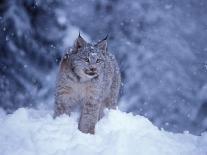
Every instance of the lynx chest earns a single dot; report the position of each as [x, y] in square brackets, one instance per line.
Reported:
[85, 90]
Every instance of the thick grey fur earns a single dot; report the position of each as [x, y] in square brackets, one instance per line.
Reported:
[89, 90]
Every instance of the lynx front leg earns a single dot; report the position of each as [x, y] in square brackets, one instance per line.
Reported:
[59, 110]
[112, 99]
[63, 105]
[89, 117]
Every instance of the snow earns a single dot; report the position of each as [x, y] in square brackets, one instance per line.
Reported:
[161, 44]
[35, 132]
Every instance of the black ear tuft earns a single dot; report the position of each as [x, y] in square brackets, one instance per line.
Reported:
[106, 37]
[79, 34]
[80, 42]
[102, 45]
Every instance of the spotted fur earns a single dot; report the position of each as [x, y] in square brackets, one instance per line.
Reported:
[88, 80]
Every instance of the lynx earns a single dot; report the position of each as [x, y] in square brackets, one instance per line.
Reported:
[88, 79]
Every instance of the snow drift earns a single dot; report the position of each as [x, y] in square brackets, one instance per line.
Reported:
[35, 132]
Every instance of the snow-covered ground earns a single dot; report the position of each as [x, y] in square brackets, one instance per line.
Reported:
[35, 132]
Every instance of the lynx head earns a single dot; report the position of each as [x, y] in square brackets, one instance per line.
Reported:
[87, 59]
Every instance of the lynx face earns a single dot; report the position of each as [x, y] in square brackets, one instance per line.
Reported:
[88, 60]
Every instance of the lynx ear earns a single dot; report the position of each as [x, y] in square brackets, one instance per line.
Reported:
[102, 45]
[79, 43]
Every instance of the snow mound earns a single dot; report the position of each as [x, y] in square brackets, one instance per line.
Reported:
[35, 132]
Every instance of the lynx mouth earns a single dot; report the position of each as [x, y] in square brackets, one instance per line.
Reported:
[90, 73]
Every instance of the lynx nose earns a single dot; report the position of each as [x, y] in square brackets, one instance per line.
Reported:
[92, 69]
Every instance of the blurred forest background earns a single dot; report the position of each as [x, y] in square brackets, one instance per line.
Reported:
[161, 47]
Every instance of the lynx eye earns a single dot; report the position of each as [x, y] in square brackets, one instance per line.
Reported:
[98, 60]
[86, 59]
